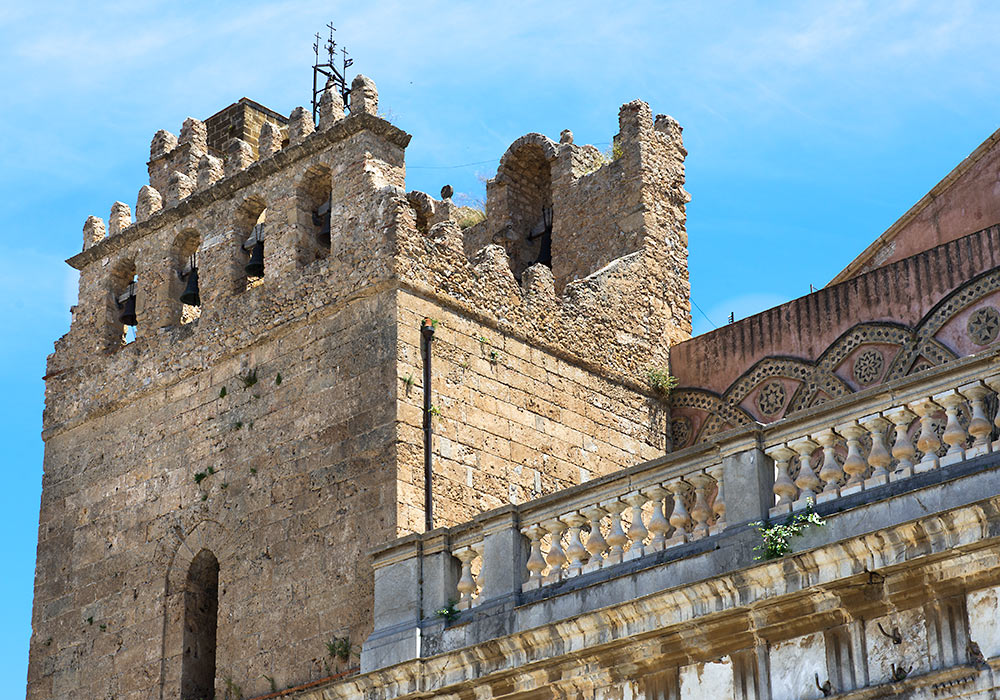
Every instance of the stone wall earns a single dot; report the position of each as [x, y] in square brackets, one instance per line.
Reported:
[516, 421]
[242, 120]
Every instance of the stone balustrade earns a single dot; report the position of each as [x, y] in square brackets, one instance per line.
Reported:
[697, 503]
[921, 426]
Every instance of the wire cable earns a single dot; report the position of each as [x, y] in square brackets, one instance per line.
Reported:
[703, 313]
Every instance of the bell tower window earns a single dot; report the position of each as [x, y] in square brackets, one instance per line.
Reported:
[314, 208]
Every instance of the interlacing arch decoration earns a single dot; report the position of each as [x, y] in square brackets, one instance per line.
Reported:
[817, 381]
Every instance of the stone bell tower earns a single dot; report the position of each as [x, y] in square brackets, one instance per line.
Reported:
[216, 472]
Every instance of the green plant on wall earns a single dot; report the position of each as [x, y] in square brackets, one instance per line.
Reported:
[448, 612]
[340, 648]
[777, 538]
[249, 379]
[661, 381]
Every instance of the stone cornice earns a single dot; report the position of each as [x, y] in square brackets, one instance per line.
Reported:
[915, 553]
[226, 187]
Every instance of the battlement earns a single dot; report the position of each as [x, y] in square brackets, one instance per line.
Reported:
[570, 252]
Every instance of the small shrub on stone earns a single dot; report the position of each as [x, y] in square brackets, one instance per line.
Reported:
[662, 381]
[777, 538]
[340, 648]
[448, 612]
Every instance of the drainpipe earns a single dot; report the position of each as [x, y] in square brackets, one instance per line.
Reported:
[427, 335]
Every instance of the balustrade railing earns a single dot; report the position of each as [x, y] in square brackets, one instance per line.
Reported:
[846, 446]
[917, 429]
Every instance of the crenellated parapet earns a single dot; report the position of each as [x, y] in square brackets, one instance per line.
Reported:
[570, 255]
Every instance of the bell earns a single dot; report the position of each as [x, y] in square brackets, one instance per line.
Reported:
[255, 268]
[126, 313]
[190, 294]
[321, 218]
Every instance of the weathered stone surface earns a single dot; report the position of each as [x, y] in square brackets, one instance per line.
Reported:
[93, 231]
[270, 140]
[120, 219]
[364, 95]
[179, 186]
[210, 171]
[331, 107]
[300, 125]
[148, 203]
[239, 156]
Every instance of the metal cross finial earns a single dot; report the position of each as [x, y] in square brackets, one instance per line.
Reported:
[329, 70]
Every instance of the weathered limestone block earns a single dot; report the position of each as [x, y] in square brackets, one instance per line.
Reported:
[148, 203]
[984, 609]
[194, 132]
[795, 663]
[239, 156]
[163, 142]
[300, 125]
[448, 234]
[120, 219]
[178, 187]
[713, 679]
[210, 171]
[364, 96]
[93, 231]
[270, 140]
[331, 107]
[422, 203]
[539, 285]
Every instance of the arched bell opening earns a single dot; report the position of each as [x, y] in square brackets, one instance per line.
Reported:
[251, 236]
[201, 615]
[313, 207]
[185, 293]
[122, 313]
[526, 177]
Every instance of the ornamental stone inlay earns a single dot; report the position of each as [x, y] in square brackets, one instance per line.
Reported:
[868, 367]
[771, 398]
[680, 431]
[984, 325]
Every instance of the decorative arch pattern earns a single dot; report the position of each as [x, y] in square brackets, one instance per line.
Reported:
[865, 355]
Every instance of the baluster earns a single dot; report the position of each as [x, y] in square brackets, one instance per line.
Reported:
[879, 457]
[719, 504]
[927, 442]
[699, 511]
[574, 548]
[994, 384]
[596, 544]
[616, 535]
[466, 584]
[830, 471]
[536, 563]
[854, 464]
[902, 448]
[784, 488]
[658, 523]
[555, 557]
[954, 434]
[637, 531]
[979, 424]
[807, 481]
[679, 518]
[477, 590]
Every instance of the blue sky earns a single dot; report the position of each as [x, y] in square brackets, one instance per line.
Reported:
[810, 128]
